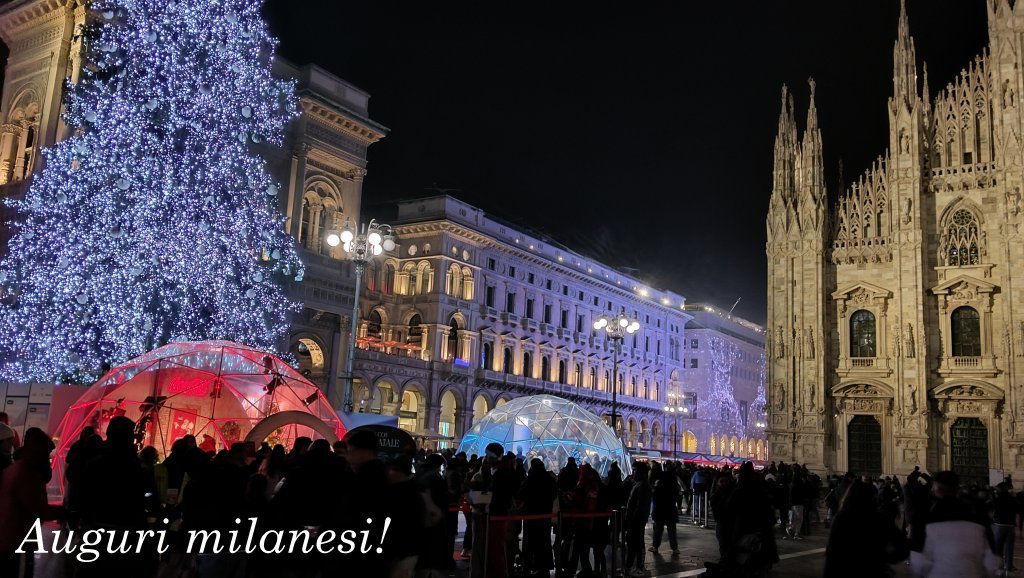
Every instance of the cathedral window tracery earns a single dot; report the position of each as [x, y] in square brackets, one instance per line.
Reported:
[962, 244]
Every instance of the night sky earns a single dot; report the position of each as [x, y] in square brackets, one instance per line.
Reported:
[637, 133]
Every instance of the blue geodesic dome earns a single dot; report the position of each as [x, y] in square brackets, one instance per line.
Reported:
[550, 428]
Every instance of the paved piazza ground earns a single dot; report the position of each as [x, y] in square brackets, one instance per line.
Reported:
[799, 559]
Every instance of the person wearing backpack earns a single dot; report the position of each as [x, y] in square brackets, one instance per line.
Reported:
[435, 553]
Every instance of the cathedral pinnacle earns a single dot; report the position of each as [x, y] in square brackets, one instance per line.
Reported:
[904, 76]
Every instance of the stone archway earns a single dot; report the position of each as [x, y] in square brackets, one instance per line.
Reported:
[858, 406]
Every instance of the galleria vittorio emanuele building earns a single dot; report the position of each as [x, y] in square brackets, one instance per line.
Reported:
[896, 315]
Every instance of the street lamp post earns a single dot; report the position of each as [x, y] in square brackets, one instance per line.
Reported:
[361, 246]
[617, 328]
[675, 409]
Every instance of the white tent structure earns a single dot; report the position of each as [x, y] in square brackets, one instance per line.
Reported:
[550, 428]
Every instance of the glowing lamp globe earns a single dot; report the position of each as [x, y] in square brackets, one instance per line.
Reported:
[389, 244]
[333, 240]
[346, 236]
[374, 238]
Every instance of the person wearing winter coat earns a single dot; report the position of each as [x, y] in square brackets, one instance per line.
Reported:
[863, 541]
[638, 510]
[666, 494]
[23, 500]
[956, 543]
[538, 494]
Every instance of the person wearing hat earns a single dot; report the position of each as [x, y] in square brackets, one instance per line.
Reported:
[23, 500]
[6, 446]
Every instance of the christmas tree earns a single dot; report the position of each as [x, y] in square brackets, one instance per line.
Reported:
[757, 422]
[157, 220]
[719, 408]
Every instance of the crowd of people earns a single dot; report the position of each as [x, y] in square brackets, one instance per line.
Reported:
[517, 516]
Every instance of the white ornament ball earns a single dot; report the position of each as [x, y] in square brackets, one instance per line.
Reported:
[257, 277]
[236, 68]
[82, 298]
[74, 357]
[231, 17]
[247, 111]
[152, 104]
[108, 15]
[123, 184]
[298, 278]
[243, 137]
[272, 190]
[151, 37]
[205, 89]
[257, 138]
[90, 116]
[28, 235]
[275, 254]
[250, 293]
[63, 262]
[61, 197]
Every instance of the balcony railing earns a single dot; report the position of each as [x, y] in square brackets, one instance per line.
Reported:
[966, 362]
[863, 361]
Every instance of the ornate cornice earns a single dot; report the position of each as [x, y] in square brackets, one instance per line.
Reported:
[340, 122]
[20, 18]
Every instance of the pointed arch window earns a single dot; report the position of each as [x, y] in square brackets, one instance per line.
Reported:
[966, 332]
[862, 334]
[962, 244]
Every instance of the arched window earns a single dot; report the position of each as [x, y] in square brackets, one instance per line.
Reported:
[966, 330]
[453, 339]
[415, 331]
[862, 334]
[561, 371]
[961, 236]
[545, 368]
[388, 287]
[632, 386]
[527, 364]
[453, 281]
[593, 378]
[304, 224]
[487, 356]
[506, 360]
[467, 284]
[578, 377]
[373, 323]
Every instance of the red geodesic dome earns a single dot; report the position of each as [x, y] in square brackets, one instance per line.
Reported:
[218, 389]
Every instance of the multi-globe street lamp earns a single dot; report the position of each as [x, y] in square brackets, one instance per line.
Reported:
[361, 246]
[616, 328]
[675, 409]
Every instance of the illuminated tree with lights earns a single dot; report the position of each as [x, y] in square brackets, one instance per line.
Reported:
[719, 408]
[759, 409]
[157, 219]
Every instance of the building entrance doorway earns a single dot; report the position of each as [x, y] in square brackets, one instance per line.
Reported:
[969, 444]
[864, 440]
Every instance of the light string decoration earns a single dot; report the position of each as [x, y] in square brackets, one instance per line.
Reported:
[157, 220]
[719, 408]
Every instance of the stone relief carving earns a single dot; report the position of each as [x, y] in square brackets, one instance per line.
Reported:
[1013, 201]
[967, 391]
[1020, 339]
[905, 214]
[862, 390]
[912, 398]
[780, 397]
[963, 292]
[812, 405]
[963, 406]
[809, 343]
[908, 341]
[780, 344]
[861, 297]
[895, 342]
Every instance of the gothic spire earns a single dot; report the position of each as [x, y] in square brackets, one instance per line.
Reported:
[785, 150]
[904, 63]
[813, 166]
